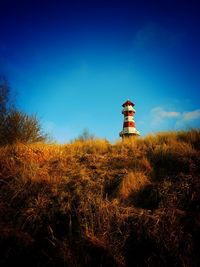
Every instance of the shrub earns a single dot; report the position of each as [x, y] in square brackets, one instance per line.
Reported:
[17, 126]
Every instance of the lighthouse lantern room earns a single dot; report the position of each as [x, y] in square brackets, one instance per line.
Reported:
[129, 128]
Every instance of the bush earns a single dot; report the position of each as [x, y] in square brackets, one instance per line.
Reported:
[17, 126]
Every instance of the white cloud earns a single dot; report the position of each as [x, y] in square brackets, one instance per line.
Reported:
[181, 119]
[159, 114]
[189, 119]
[191, 115]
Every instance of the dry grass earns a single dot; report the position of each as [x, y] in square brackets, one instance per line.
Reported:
[90, 203]
[133, 182]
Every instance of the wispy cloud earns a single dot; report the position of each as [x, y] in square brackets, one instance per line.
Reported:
[159, 114]
[184, 119]
[189, 119]
[191, 115]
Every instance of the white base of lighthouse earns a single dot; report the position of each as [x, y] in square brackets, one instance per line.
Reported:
[129, 131]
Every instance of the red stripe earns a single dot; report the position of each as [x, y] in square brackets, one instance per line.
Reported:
[129, 124]
[128, 113]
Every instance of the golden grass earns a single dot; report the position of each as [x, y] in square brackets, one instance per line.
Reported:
[89, 146]
[133, 182]
[120, 204]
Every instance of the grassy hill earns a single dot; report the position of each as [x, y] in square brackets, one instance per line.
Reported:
[90, 203]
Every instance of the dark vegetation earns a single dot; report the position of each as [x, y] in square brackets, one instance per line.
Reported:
[15, 125]
[90, 203]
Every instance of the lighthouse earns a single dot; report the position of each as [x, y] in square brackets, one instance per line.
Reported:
[129, 128]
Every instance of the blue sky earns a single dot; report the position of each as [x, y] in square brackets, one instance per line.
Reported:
[73, 63]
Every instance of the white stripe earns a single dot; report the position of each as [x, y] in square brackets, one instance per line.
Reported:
[128, 108]
[128, 118]
[130, 130]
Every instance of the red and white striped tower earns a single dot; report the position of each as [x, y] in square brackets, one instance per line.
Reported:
[129, 123]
